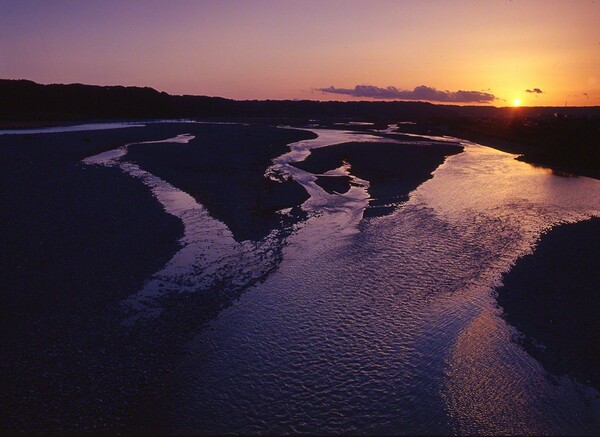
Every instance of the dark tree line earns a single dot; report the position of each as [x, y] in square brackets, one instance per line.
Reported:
[23, 100]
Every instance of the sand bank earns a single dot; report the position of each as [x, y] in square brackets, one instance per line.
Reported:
[76, 241]
[393, 170]
[573, 158]
[553, 297]
[223, 169]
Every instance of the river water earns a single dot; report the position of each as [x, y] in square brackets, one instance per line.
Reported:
[385, 325]
[389, 325]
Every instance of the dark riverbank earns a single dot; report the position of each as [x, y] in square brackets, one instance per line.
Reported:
[552, 296]
[393, 170]
[76, 241]
[564, 144]
[223, 169]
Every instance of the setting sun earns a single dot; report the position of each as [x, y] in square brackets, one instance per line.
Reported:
[516, 102]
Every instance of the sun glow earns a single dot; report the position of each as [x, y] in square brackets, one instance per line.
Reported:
[516, 102]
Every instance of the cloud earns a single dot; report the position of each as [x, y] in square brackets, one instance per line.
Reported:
[535, 90]
[419, 93]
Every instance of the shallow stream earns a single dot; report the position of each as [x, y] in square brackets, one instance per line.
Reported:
[385, 325]
[389, 325]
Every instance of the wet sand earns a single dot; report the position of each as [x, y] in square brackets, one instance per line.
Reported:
[552, 296]
[392, 169]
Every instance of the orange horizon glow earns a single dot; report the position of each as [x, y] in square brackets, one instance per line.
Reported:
[542, 52]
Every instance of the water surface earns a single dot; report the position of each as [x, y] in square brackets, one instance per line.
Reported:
[73, 128]
[370, 326]
[389, 325]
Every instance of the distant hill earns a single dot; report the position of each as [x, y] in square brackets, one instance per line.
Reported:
[24, 100]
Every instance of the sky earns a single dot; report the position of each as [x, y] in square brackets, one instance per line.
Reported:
[540, 52]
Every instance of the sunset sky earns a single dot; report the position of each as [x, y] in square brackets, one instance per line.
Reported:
[542, 52]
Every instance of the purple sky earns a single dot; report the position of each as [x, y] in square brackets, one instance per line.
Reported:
[300, 49]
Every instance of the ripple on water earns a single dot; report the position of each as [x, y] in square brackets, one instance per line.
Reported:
[382, 326]
[209, 260]
[392, 329]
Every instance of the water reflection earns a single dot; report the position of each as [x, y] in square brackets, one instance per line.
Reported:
[554, 172]
[73, 128]
[393, 329]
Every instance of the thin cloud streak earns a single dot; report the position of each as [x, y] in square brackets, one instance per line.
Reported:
[535, 90]
[419, 93]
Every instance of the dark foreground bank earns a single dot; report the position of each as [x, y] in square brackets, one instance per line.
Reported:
[393, 170]
[552, 296]
[76, 240]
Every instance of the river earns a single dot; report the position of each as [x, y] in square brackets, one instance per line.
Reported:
[389, 325]
[384, 325]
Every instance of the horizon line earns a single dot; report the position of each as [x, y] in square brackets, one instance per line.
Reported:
[373, 100]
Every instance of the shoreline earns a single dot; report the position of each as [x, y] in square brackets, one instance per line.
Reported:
[73, 248]
[566, 146]
[533, 154]
[23, 125]
[392, 170]
[77, 241]
[529, 153]
[552, 297]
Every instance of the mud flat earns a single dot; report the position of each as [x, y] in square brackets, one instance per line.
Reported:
[552, 297]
